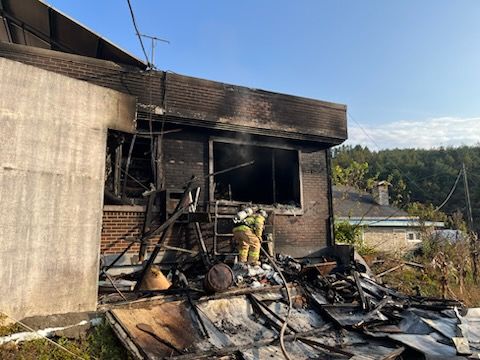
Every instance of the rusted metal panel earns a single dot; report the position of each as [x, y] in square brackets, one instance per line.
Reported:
[171, 322]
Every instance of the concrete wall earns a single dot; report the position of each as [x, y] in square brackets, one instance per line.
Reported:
[52, 160]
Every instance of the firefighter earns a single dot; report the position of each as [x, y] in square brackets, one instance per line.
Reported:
[248, 235]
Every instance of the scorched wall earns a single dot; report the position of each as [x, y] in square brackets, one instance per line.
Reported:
[186, 154]
[52, 163]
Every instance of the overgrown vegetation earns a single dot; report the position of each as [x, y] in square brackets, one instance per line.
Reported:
[418, 175]
[346, 233]
[421, 180]
[450, 264]
[101, 343]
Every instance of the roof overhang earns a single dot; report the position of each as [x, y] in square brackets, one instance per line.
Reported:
[35, 23]
[404, 222]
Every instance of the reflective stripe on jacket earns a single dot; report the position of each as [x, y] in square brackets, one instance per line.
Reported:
[253, 223]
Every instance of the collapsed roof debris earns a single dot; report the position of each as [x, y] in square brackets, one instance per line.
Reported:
[210, 310]
[282, 308]
[345, 314]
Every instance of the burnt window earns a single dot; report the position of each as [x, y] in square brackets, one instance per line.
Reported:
[121, 187]
[273, 178]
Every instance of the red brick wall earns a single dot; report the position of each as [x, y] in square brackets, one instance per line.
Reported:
[120, 224]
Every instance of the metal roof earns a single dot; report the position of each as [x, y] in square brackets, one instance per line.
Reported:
[35, 23]
[393, 222]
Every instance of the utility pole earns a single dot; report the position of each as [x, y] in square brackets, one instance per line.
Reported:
[474, 251]
[467, 198]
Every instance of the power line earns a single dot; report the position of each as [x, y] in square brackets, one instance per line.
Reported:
[138, 32]
[451, 191]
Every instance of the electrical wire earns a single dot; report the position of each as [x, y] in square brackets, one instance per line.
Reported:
[451, 191]
[138, 32]
[378, 147]
[406, 176]
[290, 304]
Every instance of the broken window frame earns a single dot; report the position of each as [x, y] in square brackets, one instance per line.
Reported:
[282, 209]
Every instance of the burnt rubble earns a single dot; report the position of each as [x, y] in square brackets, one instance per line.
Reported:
[337, 312]
[211, 307]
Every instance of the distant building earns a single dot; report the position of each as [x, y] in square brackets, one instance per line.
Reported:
[384, 226]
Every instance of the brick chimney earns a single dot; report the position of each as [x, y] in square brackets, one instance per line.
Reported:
[381, 194]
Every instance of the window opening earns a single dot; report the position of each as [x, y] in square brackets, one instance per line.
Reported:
[273, 178]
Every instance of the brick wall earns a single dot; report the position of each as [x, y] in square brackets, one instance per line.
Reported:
[211, 101]
[186, 153]
[305, 234]
[206, 103]
[120, 224]
[100, 72]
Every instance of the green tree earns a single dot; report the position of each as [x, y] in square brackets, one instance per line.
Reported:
[354, 175]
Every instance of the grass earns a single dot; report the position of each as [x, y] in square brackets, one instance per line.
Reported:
[409, 280]
[100, 343]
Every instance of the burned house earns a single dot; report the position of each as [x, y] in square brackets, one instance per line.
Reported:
[106, 162]
[91, 133]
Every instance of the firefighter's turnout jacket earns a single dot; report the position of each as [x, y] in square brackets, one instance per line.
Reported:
[248, 236]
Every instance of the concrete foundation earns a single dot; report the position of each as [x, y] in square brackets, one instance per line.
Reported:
[52, 164]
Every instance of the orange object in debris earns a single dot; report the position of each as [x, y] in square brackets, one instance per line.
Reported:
[155, 280]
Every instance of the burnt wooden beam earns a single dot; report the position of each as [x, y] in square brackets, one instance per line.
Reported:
[363, 298]
[127, 165]
[117, 166]
[164, 228]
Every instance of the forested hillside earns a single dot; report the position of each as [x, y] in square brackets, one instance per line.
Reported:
[429, 175]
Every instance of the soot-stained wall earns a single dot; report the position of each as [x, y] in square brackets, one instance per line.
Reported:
[52, 164]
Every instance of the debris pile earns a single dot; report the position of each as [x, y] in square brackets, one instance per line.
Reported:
[280, 308]
[337, 312]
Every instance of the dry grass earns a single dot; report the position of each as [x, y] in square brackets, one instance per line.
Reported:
[101, 343]
[427, 282]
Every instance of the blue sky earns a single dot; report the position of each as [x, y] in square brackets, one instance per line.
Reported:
[409, 71]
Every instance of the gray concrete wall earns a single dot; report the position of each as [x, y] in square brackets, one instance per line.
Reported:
[52, 158]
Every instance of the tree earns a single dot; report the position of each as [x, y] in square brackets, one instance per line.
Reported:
[419, 175]
[354, 175]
